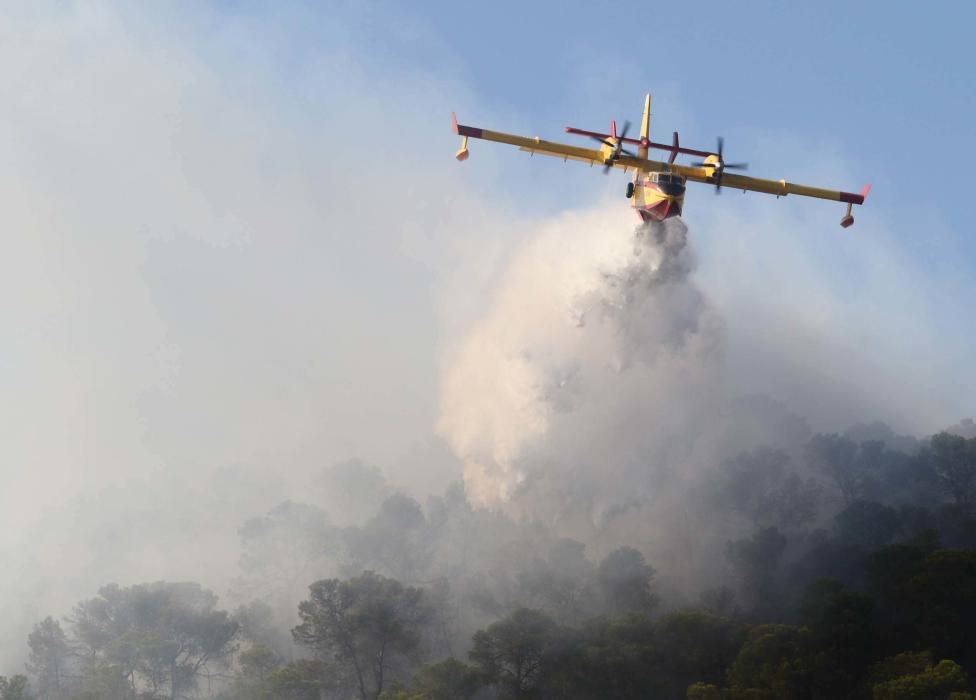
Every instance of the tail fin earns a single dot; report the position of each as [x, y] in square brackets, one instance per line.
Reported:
[645, 131]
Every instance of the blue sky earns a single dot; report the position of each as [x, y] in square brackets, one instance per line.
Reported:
[832, 94]
[890, 85]
[884, 92]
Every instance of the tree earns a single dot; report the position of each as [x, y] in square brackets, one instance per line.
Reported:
[937, 681]
[845, 635]
[351, 490]
[618, 657]
[758, 485]
[15, 688]
[444, 613]
[851, 466]
[704, 691]
[395, 540]
[965, 428]
[774, 662]
[512, 652]
[447, 680]
[888, 569]
[956, 526]
[283, 550]
[940, 595]
[50, 654]
[258, 662]
[755, 561]
[561, 584]
[907, 663]
[719, 601]
[695, 646]
[262, 626]
[624, 580]
[902, 476]
[953, 458]
[363, 624]
[868, 524]
[299, 680]
[927, 599]
[158, 636]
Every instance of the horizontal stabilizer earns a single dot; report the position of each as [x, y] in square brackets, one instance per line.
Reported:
[638, 142]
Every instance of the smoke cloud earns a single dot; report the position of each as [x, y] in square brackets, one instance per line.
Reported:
[210, 294]
[603, 385]
[595, 359]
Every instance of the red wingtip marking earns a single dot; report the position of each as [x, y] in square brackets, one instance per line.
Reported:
[454, 124]
[865, 190]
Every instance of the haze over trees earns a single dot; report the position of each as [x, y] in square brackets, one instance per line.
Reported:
[842, 567]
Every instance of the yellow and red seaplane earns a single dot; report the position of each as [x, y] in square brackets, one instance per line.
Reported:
[658, 188]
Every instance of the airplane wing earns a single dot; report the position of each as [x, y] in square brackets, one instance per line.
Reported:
[705, 174]
[536, 145]
[594, 157]
[780, 188]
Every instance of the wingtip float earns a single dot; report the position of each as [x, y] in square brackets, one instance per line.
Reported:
[657, 191]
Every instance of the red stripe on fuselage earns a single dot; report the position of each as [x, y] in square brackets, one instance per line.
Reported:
[660, 211]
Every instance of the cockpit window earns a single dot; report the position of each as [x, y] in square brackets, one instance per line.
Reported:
[669, 183]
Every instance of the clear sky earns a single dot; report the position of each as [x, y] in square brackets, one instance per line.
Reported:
[890, 86]
[835, 94]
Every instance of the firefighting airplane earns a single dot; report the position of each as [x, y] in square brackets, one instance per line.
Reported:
[658, 188]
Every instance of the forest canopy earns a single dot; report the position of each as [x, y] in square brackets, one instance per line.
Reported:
[843, 568]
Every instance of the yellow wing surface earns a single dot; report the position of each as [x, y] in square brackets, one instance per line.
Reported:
[605, 156]
[780, 188]
[530, 144]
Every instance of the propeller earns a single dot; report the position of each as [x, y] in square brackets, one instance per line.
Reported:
[721, 166]
[674, 148]
[617, 147]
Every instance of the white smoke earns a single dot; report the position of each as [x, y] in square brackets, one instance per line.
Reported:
[586, 374]
[602, 389]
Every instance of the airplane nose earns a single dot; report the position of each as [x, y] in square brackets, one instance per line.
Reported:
[670, 206]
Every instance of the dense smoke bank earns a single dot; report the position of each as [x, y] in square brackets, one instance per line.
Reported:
[595, 397]
[614, 488]
[596, 365]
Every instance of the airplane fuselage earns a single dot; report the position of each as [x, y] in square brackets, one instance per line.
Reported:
[657, 196]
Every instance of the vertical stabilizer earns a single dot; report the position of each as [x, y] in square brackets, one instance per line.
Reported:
[645, 132]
